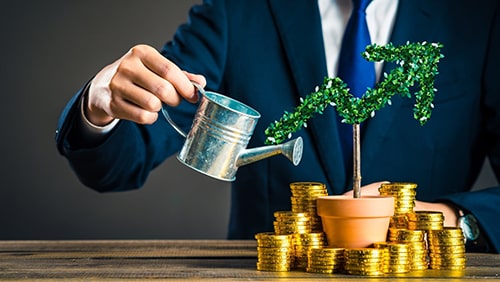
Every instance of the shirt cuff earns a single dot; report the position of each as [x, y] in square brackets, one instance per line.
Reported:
[88, 126]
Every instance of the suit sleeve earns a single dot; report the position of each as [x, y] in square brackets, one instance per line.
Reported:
[485, 204]
[124, 159]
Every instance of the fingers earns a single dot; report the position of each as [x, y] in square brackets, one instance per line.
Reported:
[132, 102]
[167, 71]
[136, 86]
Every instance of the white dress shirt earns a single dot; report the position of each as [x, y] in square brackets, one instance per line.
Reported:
[380, 15]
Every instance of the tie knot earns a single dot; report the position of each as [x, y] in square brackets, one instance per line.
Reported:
[360, 5]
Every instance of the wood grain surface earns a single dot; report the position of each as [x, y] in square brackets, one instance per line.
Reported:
[218, 260]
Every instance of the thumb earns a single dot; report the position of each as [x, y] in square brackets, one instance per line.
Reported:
[197, 78]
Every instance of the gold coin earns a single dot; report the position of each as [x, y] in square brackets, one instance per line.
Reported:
[458, 261]
[316, 270]
[450, 241]
[403, 208]
[446, 243]
[447, 232]
[404, 235]
[426, 223]
[325, 261]
[362, 265]
[456, 251]
[311, 243]
[325, 256]
[289, 214]
[365, 273]
[404, 199]
[446, 256]
[273, 267]
[400, 211]
[446, 240]
[399, 185]
[446, 261]
[311, 209]
[274, 252]
[283, 224]
[400, 218]
[325, 264]
[272, 236]
[275, 258]
[419, 267]
[447, 267]
[274, 249]
[363, 252]
[419, 226]
[327, 250]
[274, 244]
[291, 227]
[398, 269]
[308, 184]
[393, 247]
[298, 224]
[397, 191]
[276, 261]
[426, 216]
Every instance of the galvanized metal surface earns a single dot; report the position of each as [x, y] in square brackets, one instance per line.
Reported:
[216, 143]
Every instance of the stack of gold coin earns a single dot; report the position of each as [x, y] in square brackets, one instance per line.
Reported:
[417, 242]
[364, 261]
[398, 258]
[274, 252]
[404, 200]
[302, 244]
[425, 220]
[288, 222]
[325, 260]
[447, 249]
[303, 200]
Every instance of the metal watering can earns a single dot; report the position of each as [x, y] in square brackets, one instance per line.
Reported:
[221, 129]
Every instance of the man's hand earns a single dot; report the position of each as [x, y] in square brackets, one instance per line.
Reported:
[135, 86]
[449, 212]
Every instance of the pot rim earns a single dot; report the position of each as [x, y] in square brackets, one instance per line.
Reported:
[347, 206]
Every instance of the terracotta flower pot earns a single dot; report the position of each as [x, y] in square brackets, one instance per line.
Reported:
[355, 222]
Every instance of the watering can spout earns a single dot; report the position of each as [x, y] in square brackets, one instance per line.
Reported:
[291, 149]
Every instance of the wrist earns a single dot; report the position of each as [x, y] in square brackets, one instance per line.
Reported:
[90, 124]
[95, 117]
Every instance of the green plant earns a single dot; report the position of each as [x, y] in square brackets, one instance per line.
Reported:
[416, 63]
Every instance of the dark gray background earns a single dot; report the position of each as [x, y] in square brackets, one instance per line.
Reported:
[50, 49]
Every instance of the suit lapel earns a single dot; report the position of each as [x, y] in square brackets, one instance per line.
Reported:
[413, 23]
[299, 25]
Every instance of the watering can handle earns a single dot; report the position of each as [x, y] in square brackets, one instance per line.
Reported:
[169, 119]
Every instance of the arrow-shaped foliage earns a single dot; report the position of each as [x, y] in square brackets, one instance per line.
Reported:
[417, 63]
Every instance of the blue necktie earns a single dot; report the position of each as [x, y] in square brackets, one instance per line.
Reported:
[354, 69]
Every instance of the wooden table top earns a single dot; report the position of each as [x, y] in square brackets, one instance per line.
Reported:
[179, 259]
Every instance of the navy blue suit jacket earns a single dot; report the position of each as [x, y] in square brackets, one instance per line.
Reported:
[268, 54]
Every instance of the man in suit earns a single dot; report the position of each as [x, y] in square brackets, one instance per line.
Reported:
[270, 53]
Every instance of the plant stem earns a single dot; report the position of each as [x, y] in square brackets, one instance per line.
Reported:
[356, 157]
